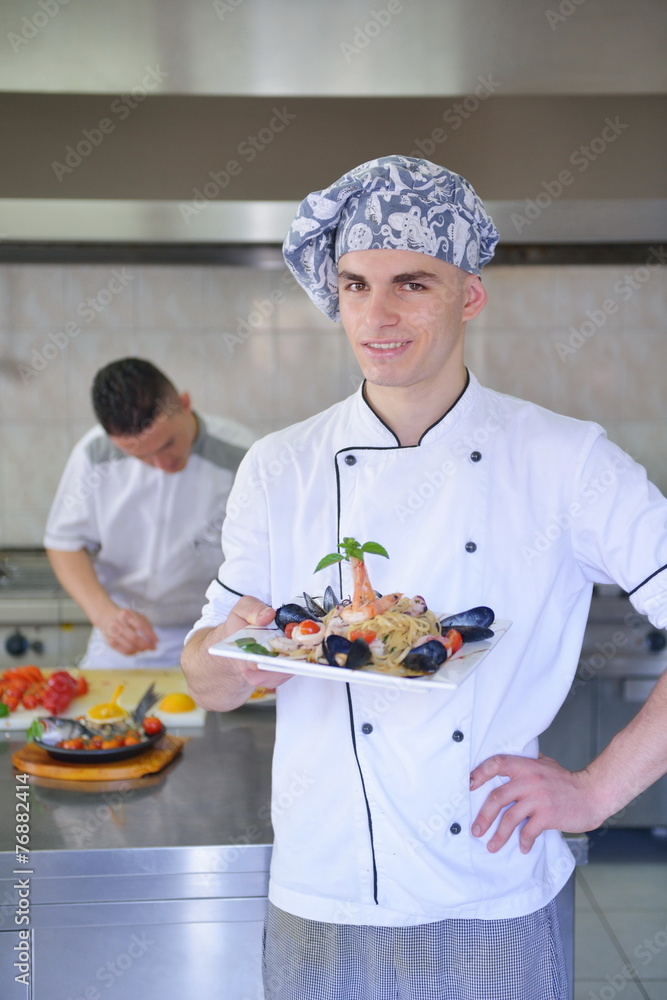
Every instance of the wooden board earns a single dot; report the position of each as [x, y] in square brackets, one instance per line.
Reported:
[101, 686]
[32, 759]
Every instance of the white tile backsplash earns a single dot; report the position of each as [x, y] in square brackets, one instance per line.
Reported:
[246, 342]
[101, 297]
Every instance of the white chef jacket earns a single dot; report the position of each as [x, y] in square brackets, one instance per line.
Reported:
[501, 503]
[155, 536]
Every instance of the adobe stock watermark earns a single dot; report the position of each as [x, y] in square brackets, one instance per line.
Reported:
[282, 461]
[248, 149]
[92, 138]
[624, 288]
[435, 826]
[31, 26]
[645, 953]
[581, 158]
[363, 34]
[91, 820]
[261, 311]
[455, 115]
[561, 522]
[87, 310]
[607, 649]
[223, 7]
[115, 968]
[465, 450]
[566, 8]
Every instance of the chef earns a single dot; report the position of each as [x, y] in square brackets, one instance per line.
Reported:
[417, 851]
[134, 531]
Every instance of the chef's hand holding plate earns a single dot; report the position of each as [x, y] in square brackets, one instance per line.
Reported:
[222, 683]
[540, 794]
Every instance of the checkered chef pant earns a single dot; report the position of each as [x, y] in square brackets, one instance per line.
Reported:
[516, 959]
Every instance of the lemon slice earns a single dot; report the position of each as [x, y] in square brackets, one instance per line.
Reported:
[108, 711]
[177, 703]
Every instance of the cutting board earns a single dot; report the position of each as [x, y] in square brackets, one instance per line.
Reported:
[101, 686]
[35, 760]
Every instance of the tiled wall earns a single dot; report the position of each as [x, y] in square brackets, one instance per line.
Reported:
[587, 341]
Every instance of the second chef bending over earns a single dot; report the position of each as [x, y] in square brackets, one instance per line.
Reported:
[134, 531]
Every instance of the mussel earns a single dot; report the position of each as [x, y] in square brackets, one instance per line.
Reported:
[481, 616]
[340, 652]
[473, 633]
[287, 613]
[427, 658]
[313, 610]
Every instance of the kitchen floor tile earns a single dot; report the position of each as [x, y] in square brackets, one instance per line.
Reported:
[621, 917]
[595, 954]
[594, 989]
[625, 887]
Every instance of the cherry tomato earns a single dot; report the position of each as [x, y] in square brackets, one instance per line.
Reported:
[309, 627]
[75, 744]
[289, 628]
[453, 639]
[16, 681]
[368, 635]
[131, 741]
[31, 672]
[81, 686]
[11, 699]
[111, 744]
[32, 696]
[151, 725]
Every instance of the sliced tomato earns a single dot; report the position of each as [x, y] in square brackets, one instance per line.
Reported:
[11, 698]
[453, 640]
[31, 672]
[368, 635]
[81, 686]
[309, 627]
[32, 696]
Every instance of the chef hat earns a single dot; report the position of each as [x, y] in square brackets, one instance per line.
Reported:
[392, 203]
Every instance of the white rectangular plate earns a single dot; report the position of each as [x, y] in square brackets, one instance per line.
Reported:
[450, 675]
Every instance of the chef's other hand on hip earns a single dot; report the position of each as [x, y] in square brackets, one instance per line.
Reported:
[540, 794]
[220, 683]
[127, 631]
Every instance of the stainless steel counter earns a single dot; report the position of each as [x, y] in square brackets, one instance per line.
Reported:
[215, 792]
[160, 880]
[153, 887]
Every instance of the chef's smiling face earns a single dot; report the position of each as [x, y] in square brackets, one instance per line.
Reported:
[405, 313]
[166, 444]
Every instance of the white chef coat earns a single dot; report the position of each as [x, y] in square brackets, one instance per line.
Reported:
[155, 536]
[501, 503]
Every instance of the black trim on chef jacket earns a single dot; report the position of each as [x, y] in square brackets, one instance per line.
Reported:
[230, 589]
[435, 424]
[363, 788]
[639, 586]
[342, 451]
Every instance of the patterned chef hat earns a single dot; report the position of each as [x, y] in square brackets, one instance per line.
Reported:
[392, 203]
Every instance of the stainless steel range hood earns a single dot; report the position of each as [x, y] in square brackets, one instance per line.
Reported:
[122, 120]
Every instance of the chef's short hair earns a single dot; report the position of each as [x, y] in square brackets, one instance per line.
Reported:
[129, 394]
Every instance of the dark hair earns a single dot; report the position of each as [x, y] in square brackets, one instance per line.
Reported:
[128, 395]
